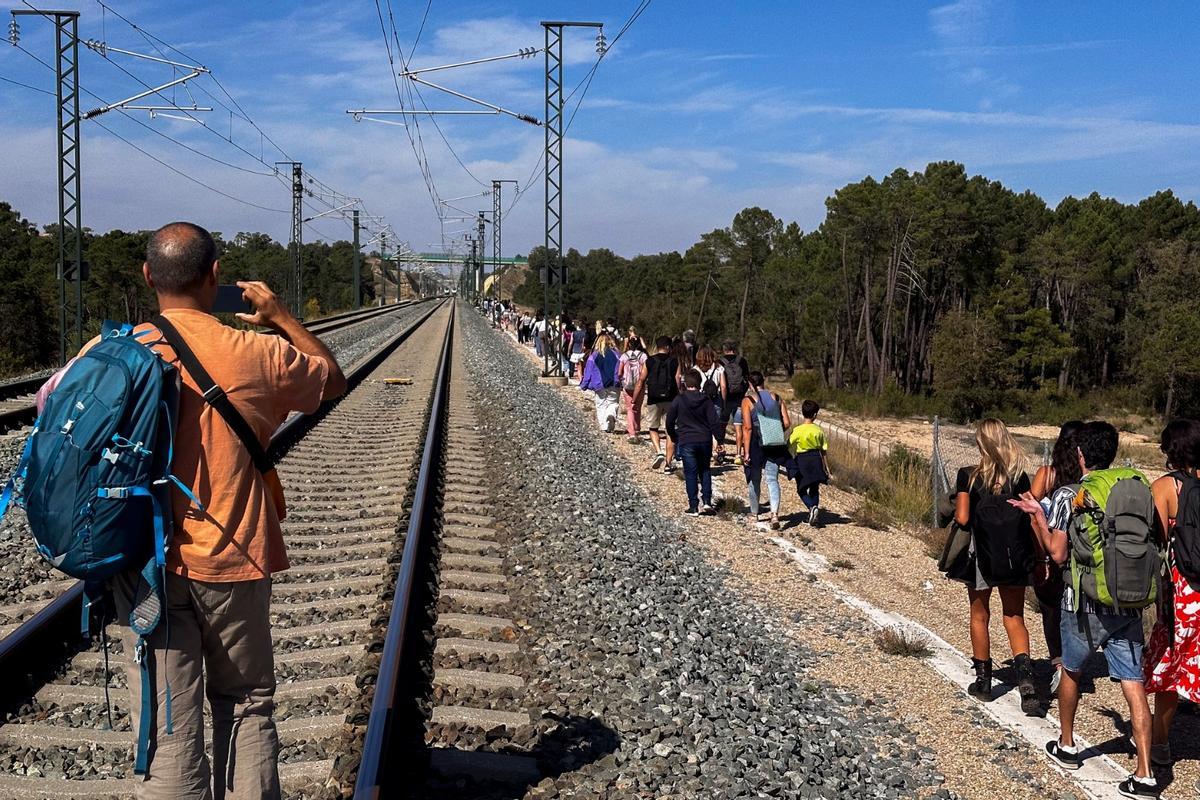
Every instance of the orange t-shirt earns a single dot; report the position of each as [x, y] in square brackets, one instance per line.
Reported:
[237, 537]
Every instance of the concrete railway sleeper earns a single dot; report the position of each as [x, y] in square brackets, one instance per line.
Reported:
[328, 612]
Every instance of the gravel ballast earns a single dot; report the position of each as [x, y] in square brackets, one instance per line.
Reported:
[650, 675]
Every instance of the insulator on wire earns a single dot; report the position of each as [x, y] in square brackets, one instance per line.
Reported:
[14, 32]
[601, 43]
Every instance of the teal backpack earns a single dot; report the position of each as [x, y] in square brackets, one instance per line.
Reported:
[94, 480]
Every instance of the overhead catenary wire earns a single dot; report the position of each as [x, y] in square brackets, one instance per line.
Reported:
[148, 154]
[418, 149]
[237, 110]
[322, 191]
[27, 86]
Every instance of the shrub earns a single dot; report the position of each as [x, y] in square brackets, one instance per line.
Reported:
[898, 640]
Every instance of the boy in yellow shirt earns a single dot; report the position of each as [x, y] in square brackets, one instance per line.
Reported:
[808, 447]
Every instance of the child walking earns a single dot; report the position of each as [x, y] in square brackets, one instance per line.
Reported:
[808, 446]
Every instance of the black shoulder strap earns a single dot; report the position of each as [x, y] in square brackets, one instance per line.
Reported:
[214, 395]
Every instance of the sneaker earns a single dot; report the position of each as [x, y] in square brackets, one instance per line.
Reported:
[814, 516]
[634, 440]
[660, 458]
[1134, 786]
[1055, 680]
[1160, 754]
[610, 424]
[707, 509]
[1065, 759]
[774, 522]
[738, 462]
[692, 512]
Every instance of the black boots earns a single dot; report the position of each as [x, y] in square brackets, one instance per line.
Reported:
[1029, 699]
[981, 688]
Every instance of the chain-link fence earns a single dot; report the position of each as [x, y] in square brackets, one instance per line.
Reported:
[839, 435]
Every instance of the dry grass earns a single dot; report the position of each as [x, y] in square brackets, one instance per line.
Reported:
[897, 640]
[841, 563]
[895, 491]
[1139, 454]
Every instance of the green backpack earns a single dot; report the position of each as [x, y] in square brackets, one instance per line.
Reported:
[1115, 558]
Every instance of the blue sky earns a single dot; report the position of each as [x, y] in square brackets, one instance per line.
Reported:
[701, 109]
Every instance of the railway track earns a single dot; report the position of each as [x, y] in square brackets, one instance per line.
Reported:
[350, 472]
[17, 396]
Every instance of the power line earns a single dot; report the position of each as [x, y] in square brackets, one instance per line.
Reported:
[420, 30]
[27, 86]
[146, 153]
[183, 174]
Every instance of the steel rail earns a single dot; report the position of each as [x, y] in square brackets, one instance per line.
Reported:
[374, 776]
[59, 620]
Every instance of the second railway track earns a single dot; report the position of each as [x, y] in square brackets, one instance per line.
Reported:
[349, 480]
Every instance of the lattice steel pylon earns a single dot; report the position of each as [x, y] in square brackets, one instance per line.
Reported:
[555, 270]
[479, 253]
[294, 291]
[497, 224]
[70, 214]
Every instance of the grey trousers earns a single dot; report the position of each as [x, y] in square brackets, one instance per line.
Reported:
[214, 641]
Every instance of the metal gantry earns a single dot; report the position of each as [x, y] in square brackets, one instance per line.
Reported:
[70, 271]
[555, 270]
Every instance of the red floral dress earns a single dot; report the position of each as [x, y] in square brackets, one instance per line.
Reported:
[1175, 665]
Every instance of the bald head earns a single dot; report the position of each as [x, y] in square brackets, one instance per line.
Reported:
[180, 258]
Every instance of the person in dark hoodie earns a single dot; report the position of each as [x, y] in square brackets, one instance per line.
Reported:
[692, 424]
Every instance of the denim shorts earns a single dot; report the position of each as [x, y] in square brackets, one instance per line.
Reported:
[1120, 637]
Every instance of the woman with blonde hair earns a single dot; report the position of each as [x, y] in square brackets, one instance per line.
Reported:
[1003, 549]
[601, 379]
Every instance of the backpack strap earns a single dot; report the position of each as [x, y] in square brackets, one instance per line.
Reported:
[214, 395]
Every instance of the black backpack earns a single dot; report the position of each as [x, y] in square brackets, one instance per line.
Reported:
[1185, 538]
[1003, 537]
[735, 376]
[660, 379]
[709, 385]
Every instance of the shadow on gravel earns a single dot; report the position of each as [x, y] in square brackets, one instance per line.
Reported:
[575, 743]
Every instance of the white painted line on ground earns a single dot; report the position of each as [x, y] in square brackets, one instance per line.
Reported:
[1099, 775]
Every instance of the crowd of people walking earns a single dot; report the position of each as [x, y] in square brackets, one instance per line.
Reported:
[1100, 546]
[686, 397]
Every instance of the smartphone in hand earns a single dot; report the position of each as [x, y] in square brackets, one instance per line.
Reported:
[230, 300]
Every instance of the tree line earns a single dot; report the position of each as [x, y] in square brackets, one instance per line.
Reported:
[935, 285]
[115, 289]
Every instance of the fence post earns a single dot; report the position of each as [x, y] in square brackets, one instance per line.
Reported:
[934, 459]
